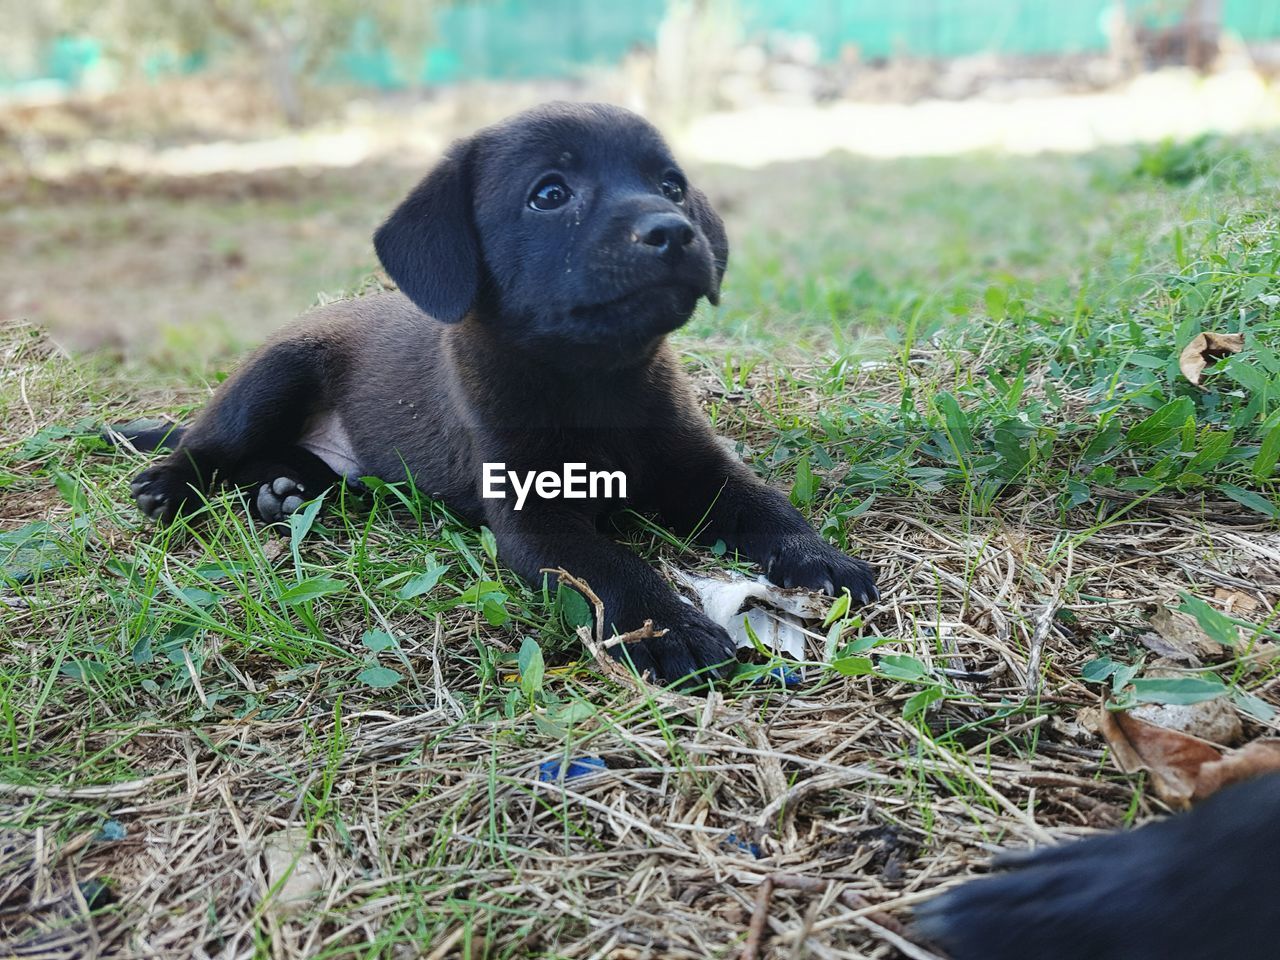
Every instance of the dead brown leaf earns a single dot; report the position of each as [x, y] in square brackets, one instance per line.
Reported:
[1182, 769]
[1172, 759]
[1251, 760]
[1169, 651]
[1235, 602]
[1205, 350]
[1183, 636]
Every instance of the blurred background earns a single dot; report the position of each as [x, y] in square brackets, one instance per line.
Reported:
[176, 178]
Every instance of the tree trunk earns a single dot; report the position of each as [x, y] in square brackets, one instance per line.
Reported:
[269, 40]
[278, 63]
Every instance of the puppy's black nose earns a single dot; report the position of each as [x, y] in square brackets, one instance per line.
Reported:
[666, 234]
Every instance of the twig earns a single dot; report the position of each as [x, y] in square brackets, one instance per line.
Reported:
[815, 784]
[850, 898]
[443, 696]
[565, 577]
[759, 917]
[107, 791]
[878, 922]
[897, 940]
[594, 640]
[1044, 623]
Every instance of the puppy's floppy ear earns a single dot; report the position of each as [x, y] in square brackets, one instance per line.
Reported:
[429, 245]
[713, 229]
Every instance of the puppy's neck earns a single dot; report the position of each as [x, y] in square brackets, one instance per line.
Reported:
[484, 347]
[518, 385]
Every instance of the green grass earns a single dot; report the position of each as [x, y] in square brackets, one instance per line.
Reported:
[828, 253]
[1024, 412]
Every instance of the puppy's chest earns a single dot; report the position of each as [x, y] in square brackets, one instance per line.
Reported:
[545, 432]
[550, 448]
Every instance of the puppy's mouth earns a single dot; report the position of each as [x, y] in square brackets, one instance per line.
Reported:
[654, 291]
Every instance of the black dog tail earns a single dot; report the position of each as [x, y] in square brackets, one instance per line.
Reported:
[144, 435]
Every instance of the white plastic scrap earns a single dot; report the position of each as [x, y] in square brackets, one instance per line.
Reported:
[289, 859]
[777, 616]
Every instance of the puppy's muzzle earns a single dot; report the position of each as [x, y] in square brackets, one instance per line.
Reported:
[663, 235]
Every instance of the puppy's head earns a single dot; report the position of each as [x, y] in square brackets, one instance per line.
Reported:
[569, 229]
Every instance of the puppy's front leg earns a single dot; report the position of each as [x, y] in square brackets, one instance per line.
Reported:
[543, 537]
[712, 496]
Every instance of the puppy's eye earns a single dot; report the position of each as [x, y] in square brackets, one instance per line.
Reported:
[673, 189]
[550, 194]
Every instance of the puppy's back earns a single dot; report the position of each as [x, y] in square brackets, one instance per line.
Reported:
[352, 323]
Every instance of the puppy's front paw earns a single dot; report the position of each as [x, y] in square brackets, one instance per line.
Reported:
[694, 650]
[162, 491]
[279, 499]
[815, 565]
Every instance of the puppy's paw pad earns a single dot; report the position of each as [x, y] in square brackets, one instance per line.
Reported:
[285, 486]
[279, 499]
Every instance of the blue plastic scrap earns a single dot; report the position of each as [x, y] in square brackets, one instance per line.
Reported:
[549, 771]
[732, 840]
[112, 830]
[789, 677]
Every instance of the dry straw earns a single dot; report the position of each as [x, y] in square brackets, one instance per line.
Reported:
[403, 821]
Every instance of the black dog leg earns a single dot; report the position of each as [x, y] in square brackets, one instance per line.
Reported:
[631, 590]
[714, 497]
[279, 486]
[252, 425]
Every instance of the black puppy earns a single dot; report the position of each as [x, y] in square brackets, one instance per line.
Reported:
[541, 264]
[1201, 886]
